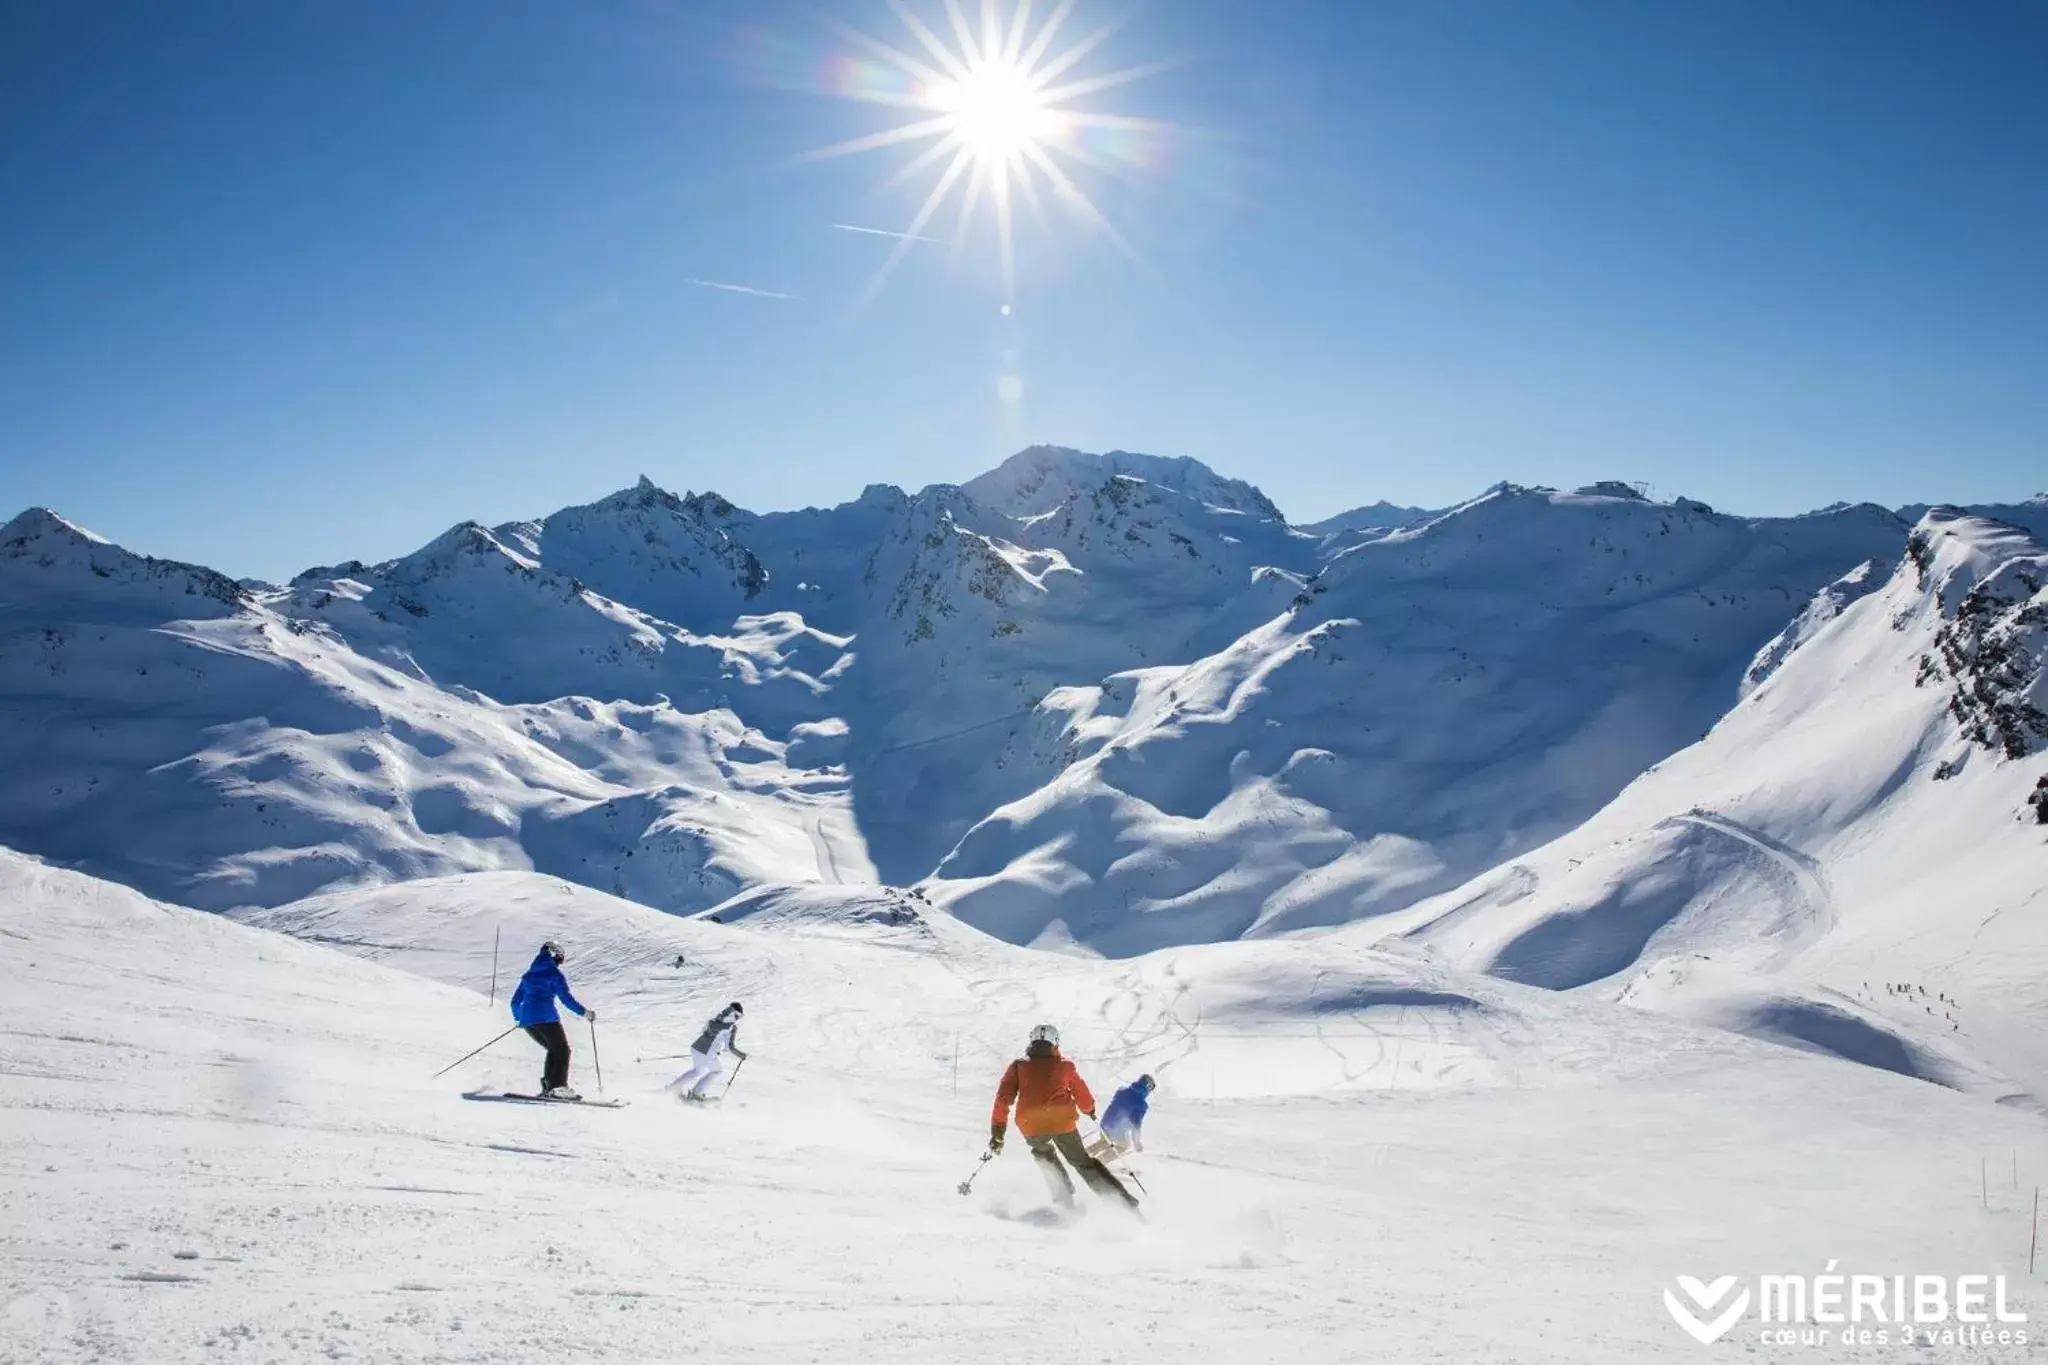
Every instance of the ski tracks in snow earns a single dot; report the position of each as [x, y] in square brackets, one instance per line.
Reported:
[821, 848]
[1805, 871]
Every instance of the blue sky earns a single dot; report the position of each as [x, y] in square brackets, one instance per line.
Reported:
[285, 284]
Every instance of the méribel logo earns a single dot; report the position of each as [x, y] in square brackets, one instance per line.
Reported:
[1705, 1296]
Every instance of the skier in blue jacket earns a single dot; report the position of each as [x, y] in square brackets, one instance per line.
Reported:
[1126, 1114]
[533, 1009]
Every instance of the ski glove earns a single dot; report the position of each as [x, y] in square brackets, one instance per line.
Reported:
[590, 1016]
[739, 1054]
[995, 1138]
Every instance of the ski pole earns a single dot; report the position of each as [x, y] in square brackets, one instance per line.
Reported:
[467, 1055]
[735, 1076]
[596, 1060]
[663, 1057]
[968, 1183]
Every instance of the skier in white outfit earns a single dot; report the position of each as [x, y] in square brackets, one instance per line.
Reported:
[721, 1034]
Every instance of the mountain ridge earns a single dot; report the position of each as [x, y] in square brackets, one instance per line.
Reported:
[864, 691]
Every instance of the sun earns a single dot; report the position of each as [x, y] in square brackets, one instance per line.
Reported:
[1004, 116]
[996, 114]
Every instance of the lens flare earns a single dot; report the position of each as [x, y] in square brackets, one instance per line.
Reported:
[1000, 118]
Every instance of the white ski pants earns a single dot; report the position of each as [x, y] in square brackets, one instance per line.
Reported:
[704, 1069]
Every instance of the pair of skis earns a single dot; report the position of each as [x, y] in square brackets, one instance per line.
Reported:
[513, 1097]
[1118, 1174]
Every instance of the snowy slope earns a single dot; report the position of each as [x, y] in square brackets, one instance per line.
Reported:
[2030, 516]
[472, 609]
[964, 622]
[225, 1143]
[1433, 703]
[977, 615]
[1854, 859]
[214, 747]
[1112, 699]
[816, 557]
[667, 555]
[43, 555]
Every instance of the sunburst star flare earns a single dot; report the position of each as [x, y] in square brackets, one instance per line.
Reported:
[995, 105]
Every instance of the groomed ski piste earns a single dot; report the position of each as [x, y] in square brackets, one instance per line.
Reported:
[226, 1142]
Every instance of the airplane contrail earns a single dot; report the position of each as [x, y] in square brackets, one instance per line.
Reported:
[899, 236]
[746, 289]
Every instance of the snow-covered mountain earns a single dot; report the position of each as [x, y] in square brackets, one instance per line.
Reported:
[668, 555]
[1431, 704]
[2030, 516]
[1044, 478]
[475, 609]
[1853, 861]
[610, 692]
[220, 747]
[975, 616]
[1573, 839]
[1363, 525]
[1115, 701]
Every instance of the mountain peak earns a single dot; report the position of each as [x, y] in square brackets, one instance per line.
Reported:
[68, 559]
[645, 493]
[1037, 479]
[41, 521]
[1373, 516]
[466, 540]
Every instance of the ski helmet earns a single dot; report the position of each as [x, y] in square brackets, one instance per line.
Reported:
[735, 1008]
[1147, 1083]
[554, 950]
[1046, 1033]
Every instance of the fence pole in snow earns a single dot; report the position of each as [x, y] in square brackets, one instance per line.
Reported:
[494, 964]
[2034, 1237]
[2015, 1168]
[956, 1066]
[1984, 1181]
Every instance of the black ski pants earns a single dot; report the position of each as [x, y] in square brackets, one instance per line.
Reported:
[1048, 1150]
[554, 1071]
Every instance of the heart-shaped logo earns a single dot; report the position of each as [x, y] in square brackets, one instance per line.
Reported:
[1706, 1296]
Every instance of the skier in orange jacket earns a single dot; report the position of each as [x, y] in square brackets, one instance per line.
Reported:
[1050, 1097]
